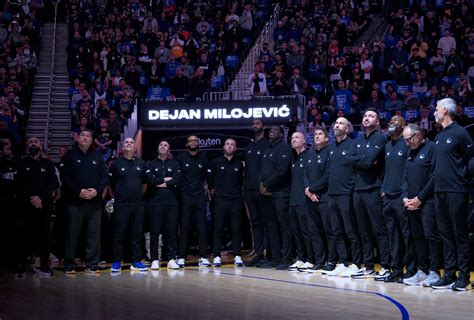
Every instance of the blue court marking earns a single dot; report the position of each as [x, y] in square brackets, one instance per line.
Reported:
[401, 308]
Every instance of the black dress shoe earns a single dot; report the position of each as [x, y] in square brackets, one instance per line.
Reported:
[267, 264]
[253, 262]
[283, 266]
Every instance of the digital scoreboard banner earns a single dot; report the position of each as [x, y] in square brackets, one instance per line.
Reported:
[215, 113]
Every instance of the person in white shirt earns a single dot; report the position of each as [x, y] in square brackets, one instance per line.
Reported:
[447, 42]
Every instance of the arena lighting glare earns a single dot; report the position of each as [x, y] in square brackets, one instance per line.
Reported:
[220, 113]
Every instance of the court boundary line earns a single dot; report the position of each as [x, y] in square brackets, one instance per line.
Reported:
[404, 312]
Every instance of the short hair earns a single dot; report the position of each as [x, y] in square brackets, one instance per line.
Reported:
[373, 110]
[414, 127]
[449, 104]
[323, 130]
[87, 130]
[261, 120]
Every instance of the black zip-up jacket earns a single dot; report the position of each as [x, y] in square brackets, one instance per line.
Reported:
[81, 170]
[395, 160]
[253, 163]
[418, 177]
[317, 173]
[126, 178]
[225, 178]
[36, 177]
[276, 165]
[156, 171]
[366, 156]
[193, 174]
[297, 196]
[340, 177]
[452, 154]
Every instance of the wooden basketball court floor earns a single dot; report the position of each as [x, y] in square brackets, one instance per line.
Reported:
[223, 293]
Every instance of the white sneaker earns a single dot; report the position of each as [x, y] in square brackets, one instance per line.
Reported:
[155, 265]
[217, 262]
[350, 270]
[417, 279]
[306, 266]
[172, 264]
[296, 265]
[238, 261]
[340, 268]
[181, 263]
[432, 278]
[204, 262]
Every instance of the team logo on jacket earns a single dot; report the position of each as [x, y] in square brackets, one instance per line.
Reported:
[222, 168]
[43, 169]
[94, 162]
[139, 169]
[169, 169]
[333, 152]
[258, 152]
[156, 169]
[309, 161]
[358, 146]
[250, 151]
[123, 169]
[236, 169]
[388, 153]
[449, 140]
[422, 156]
[368, 145]
[187, 164]
[343, 152]
[78, 160]
[200, 165]
[400, 153]
[320, 160]
[27, 169]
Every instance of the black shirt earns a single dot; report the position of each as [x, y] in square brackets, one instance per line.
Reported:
[81, 170]
[297, 195]
[276, 164]
[36, 177]
[317, 173]
[126, 178]
[395, 160]
[156, 171]
[340, 177]
[453, 151]
[193, 174]
[418, 177]
[8, 176]
[225, 177]
[253, 163]
[366, 156]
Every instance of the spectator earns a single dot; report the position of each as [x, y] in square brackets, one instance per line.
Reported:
[375, 102]
[198, 86]
[257, 82]
[179, 85]
[279, 86]
[399, 66]
[447, 42]
[342, 98]
[103, 139]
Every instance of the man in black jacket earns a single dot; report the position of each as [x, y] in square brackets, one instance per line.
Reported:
[417, 195]
[36, 180]
[163, 175]
[255, 201]
[453, 151]
[276, 178]
[127, 180]
[366, 157]
[84, 178]
[225, 185]
[193, 164]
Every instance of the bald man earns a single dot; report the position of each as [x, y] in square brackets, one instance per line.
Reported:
[395, 215]
[36, 181]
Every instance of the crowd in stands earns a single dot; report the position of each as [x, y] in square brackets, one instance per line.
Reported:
[426, 54]
[122, 49]
[20, 34]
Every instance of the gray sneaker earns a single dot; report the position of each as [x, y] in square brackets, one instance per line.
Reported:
[432, 278]
[416, 280]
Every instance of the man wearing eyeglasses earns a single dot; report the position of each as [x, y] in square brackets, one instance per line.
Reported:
[417, 195]
[453, 151]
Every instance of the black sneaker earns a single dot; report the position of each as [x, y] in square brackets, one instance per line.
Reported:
[394, 277]
[46, 271]
[406, 276]
[382, 274]
[253, 262]
[462, 284]
[92, 269]
[328, 268]
[283, 266]
[445, 282]
[267, 264]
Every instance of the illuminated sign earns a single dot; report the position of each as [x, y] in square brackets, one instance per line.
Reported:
[210, 114]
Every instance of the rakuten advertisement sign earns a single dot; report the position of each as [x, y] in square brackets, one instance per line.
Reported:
[222, 113]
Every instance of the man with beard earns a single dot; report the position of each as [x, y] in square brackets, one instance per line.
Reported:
[298, 206]
[127, 180]
[36, 181]
[193, 164]
[276, 179]
[225, 185]
[340, 187]
[84, 178]
[453, 151]
[255, 201]
[396, 218]
[366, 157]
[163, 175]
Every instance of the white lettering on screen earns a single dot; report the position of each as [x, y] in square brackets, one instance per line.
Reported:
[210, 114]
